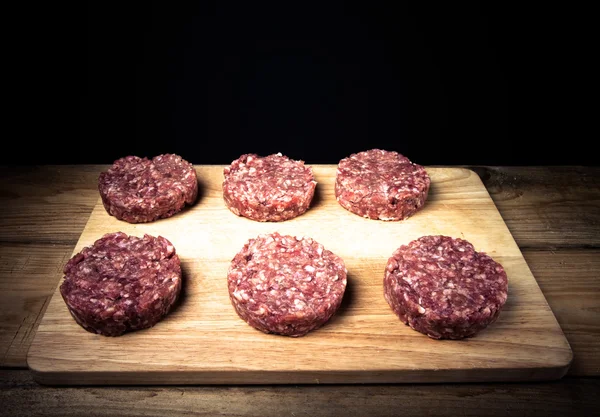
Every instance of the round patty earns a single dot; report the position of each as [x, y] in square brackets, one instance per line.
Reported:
[443, 288]
[122, 283]
[268, 189]
[286, 285]
[381, 185]
[139, 190]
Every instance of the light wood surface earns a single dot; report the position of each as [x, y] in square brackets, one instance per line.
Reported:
[559, 252]
[203, 340]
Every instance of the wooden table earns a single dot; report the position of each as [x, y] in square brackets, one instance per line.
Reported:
[553, 213]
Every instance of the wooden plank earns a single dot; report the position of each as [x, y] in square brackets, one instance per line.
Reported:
[203, 340]
[570, 280]
[29, 274]
[47, 203]
[547, 206]
[20, 395]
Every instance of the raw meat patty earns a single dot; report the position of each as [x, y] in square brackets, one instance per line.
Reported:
[122, 283]
[443, 288]
[268, 189]
[381, 185]
[286, 285]
[139, 190]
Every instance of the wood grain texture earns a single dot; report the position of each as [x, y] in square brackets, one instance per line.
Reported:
[28, 277]
[570, 280]
[203, 340]
[547, 207]
[44, 211]
[20, 395]
[47, 203]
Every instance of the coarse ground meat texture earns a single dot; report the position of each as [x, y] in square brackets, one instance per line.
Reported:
[381, 185]
[122, 283]
[286, 285]
[139, 190]
[443, 288]
[268, 189]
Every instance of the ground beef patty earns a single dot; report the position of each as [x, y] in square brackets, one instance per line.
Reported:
[268, 189]
[122, 283]
[381, 185]
[286, 285]
[443, 288]
[139, 190]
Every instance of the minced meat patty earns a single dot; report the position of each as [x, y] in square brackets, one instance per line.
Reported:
[122, 283]
[273, 188]
[286, 285]
[140, 190]
[382, 185]
[442, 287]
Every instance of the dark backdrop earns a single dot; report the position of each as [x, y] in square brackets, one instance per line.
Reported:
[466, 83]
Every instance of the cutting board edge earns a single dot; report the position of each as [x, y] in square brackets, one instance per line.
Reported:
[57, 378]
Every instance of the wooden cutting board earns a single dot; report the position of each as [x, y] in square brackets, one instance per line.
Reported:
[204, 342]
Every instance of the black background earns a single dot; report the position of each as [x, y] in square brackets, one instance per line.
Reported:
[468, 83]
